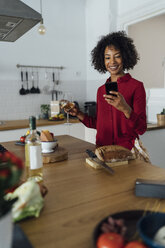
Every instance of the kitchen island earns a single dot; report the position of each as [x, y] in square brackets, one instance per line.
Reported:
[153, 139]
[80, 196]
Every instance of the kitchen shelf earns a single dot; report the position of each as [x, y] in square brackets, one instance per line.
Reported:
[40, 66]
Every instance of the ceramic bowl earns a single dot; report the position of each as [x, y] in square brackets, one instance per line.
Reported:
[48, 146]
[148, 226]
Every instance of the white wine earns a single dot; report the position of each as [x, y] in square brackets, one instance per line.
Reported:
[66, 105]
[33, 156]
[33, 166]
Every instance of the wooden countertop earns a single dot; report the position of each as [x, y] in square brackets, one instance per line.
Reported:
[18, 124]
[155, 126]
[80, 196]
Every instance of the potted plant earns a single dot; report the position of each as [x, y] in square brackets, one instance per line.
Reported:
[161, 118]
[45, 110]
[11, 169]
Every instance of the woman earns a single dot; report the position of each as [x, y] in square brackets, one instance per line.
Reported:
[120, 117]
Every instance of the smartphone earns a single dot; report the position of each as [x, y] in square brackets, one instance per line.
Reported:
[111, 86]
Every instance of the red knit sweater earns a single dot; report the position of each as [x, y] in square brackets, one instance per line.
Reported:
[113, 128]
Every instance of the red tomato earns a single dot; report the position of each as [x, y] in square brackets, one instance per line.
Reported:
[110, 240]
[22, 139]
[135, 244]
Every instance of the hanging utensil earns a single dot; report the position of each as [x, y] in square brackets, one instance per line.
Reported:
[53, 79]
[58, 77]
[27, 90]
[53, 91]
[33, 89]
[53, 74]
[55, 82]
[22, 91]
[47, 89]
[37, 89]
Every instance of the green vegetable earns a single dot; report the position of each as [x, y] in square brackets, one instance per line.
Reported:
[29, 203]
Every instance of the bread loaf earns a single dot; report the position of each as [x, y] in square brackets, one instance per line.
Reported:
[113, 153]
[46, 136]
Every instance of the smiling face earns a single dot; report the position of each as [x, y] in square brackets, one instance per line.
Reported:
[113, 62]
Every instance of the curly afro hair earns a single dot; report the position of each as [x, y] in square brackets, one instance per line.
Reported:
[121, 42]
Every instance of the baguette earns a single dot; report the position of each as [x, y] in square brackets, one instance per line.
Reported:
[113, 153]
[46, 136]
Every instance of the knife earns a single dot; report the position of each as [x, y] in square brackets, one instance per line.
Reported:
[93, 156]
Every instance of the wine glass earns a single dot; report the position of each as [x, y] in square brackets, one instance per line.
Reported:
[67, 104]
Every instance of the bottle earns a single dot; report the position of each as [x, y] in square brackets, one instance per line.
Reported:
[33, 156]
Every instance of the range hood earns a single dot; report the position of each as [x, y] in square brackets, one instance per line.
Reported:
[16, 18]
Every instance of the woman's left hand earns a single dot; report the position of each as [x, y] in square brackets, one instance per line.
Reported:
[119, 102]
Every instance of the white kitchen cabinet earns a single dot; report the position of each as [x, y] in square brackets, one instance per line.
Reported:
[10, 135]
[75, 129]
[90, 135]
[154, 141]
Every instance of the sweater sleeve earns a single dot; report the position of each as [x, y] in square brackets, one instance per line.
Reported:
[137, 120]
[89, 121]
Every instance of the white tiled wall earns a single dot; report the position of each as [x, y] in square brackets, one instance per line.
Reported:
[14, 106]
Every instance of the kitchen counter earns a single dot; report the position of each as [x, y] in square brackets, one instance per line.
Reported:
[154, 126]
[79, 197]
[18, 124]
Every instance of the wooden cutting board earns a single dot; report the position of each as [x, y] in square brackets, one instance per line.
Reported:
[95, 165]
[59, 154]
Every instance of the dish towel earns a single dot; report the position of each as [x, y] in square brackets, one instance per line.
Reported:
[140, 152]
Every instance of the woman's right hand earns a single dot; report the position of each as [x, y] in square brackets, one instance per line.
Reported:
[76, 112]
[73, 111]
